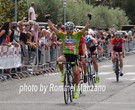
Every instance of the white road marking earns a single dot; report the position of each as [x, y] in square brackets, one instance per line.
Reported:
[52, 102]
[105, 73]
[130, 73]
[133, 79]
[114, 78]
[106, 66]
[128, 65]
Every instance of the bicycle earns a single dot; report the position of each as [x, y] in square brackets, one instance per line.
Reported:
[117, 68]
[68, 85]
[90, 70]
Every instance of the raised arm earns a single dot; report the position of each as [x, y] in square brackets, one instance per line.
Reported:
[87, 24]
[52, 27]
[51, 24]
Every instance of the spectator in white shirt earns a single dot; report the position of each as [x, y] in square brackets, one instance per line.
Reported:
[31, 14]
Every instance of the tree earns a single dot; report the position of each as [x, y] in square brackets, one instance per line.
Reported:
[129, 7]
[77, 10]
[7, 10]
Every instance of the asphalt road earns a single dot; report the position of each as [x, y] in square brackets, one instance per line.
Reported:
[45, 93]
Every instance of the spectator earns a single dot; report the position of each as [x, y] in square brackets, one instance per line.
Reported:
[53, 51]
[20, 26]
[31, 23]
[60, 26]
[4, 32]
[26, 28]
[46, 38]
[35, 31]
[31, 14]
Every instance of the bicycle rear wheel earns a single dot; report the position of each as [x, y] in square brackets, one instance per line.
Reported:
[81, 81]
[117, 70]
[93, 80]
[91, 75]
[66, 88]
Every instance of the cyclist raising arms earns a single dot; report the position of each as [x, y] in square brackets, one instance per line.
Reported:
[92, 46]
[70, 42]
[117, 45]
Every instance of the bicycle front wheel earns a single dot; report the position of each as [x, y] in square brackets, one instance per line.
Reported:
[71, 84]
[66, 88]
[117, 70]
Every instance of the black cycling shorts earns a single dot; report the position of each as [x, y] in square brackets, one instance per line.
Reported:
[71, 58]
[117, 49]
[93, 49]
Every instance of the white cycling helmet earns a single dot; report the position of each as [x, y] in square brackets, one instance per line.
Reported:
[69, 24]
[91, 32]
[118, 34]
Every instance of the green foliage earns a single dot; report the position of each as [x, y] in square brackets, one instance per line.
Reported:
[77, 12]
[7, 9]
[54, 7]
[127, 5]
[22, 8]
[103, 16]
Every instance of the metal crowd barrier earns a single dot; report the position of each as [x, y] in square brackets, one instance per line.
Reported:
[10, 60]
[130, 46]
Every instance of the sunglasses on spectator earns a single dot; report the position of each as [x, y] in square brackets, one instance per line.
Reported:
[69, 28]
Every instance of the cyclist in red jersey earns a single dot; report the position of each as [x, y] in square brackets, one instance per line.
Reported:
[82, 53]
[117, 45]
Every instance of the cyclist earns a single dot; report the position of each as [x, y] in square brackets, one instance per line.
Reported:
[117, 45]
[92, 46]
[82, 54]
[70, 42]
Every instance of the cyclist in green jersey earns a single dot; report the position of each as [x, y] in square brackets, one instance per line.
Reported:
[70, 42]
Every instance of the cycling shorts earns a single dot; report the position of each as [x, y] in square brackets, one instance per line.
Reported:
[117, 50]
[71, 58]
[93, 50]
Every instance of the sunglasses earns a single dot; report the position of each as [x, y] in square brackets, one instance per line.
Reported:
[117, 36]
[69, 28]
